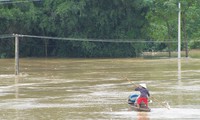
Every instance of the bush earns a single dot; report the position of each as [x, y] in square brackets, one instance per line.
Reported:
[194, 44]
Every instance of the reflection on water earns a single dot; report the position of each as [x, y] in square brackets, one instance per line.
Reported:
[179, 69]
[142, 116]
[180, 97]
[95, 88]
[16, 87]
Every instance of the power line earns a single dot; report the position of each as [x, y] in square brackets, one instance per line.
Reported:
[96, 40]
[87, 40]
[15, 2]
[6, 36]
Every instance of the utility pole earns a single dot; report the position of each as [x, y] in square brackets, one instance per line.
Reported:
[179, 31]
[179, 41]
[16, 54]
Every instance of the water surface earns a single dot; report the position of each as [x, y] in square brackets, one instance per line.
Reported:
[63, 89]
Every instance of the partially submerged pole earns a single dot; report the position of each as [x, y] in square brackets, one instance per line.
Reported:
[179, 30]
[179, 41]
[16, 54]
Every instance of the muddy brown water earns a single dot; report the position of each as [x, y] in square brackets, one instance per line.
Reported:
[82, 89]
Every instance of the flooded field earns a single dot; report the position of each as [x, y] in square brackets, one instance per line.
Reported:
[95, 89]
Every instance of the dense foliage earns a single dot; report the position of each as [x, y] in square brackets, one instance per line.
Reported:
[137, 20]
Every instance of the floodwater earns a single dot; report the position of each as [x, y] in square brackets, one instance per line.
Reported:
[95, 89]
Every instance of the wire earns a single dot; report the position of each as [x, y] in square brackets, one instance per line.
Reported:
[95, 40]
[89, 40]
[15, 2]
[6, 36]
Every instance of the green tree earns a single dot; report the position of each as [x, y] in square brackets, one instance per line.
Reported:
[191, 26]
[163, 19]
[16, 18]
[93, 19]
[99, 19]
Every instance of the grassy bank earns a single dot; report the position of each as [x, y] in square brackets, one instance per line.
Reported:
[195, 53]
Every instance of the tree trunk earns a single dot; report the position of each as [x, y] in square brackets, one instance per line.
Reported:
[185, 34]
[46, 47]
[168, 44]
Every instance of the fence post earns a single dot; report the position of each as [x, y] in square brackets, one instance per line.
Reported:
[16, 54]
